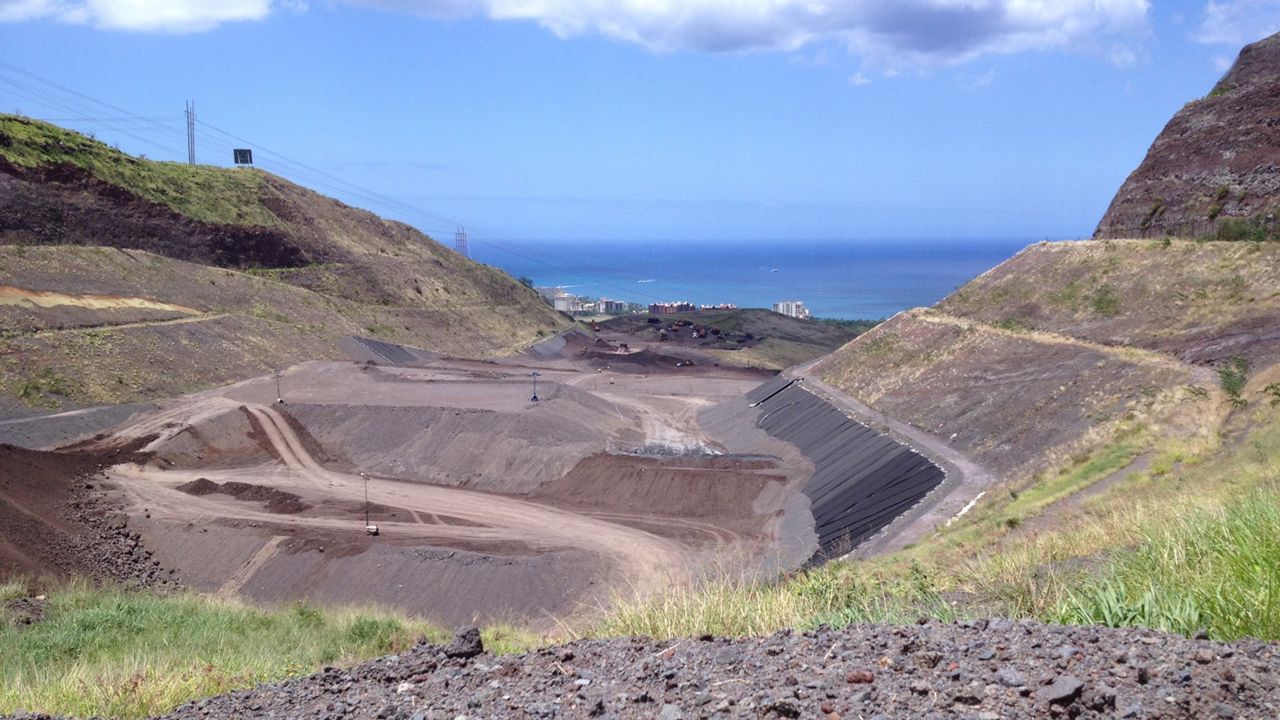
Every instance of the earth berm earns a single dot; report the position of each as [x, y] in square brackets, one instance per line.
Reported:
[981, 669]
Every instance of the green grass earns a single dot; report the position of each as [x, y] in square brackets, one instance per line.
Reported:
[200, 192]
[43, 388]
[1106, 301]
[129, 654]
[1193, 542]
[1217, 570]
[11, 589]
[1232, 376]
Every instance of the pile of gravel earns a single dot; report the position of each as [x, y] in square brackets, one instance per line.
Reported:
[983, 669]
[110, 549]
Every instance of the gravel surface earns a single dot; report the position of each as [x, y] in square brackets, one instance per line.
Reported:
[56, 519]
[985, 669]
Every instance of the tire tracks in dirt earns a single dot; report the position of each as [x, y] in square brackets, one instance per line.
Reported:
[645, 559]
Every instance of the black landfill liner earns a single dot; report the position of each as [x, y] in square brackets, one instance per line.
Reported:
[394, 354]
[862, 479]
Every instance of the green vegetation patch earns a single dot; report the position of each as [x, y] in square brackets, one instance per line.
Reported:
[1213, 570]
[43, 388]
[200, 192]
[1233, 375]
[116, 653]
[1105, 301]
[1251, 229]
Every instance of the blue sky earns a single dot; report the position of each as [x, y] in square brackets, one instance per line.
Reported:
[709, 119]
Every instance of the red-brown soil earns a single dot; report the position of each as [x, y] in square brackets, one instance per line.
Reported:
[51, 521]
[1218, 158]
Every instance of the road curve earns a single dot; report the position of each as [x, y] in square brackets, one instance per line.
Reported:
[643, 558]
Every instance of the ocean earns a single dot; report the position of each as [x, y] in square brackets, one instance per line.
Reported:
[854, 279]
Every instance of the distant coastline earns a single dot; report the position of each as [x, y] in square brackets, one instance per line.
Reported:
[847, 280]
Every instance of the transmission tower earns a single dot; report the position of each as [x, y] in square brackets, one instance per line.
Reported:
[460, 242]
[191, 131]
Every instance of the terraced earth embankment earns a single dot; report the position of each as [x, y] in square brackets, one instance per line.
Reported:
[1051, 353]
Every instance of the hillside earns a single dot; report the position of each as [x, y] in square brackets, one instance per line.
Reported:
[747, 337]
[1052, 352]
[189, 276]
[1215, 169]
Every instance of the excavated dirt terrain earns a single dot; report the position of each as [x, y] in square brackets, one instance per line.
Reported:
[988, 669]
[489, 507]
[55, 521]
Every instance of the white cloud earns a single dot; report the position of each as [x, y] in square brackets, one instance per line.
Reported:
[1238, 22]
[138, 15]
[885, 32]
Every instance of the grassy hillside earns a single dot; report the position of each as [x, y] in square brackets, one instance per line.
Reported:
[1201, 302]
[265, 272]
[137, 326]
[1048, 354]
[201, 192]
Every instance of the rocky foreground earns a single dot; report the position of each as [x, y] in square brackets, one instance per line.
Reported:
[984, 669]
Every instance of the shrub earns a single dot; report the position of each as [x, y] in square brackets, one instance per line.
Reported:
[1105, 301]
[1233, 376]
[1252, 229]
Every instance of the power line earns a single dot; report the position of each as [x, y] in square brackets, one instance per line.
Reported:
[334, 183]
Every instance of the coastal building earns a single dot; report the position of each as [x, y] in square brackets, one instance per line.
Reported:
[792, 308]
[611, 307]
[721, 306]
[672, 308]
[551, 293]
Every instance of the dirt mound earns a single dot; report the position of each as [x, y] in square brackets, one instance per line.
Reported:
[995, 668]
[276, 501]
[54, 521]
[24, 610]
[200, 486]
[481, 449]
[688, 486]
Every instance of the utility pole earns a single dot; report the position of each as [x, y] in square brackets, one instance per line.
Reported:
[191, 132]
[460, 243]
[365, 478]
[279, 395]
[534, 375]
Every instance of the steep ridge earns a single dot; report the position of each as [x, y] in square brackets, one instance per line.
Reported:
[215, 274]
[1215, 169]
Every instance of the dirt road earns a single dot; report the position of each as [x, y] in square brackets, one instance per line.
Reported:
[646, 559]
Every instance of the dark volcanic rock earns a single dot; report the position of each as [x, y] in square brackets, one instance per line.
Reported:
[807, 675]
[1218, 158]
[466, 644]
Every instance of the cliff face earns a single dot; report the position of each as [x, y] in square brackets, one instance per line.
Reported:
[1215, 169]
